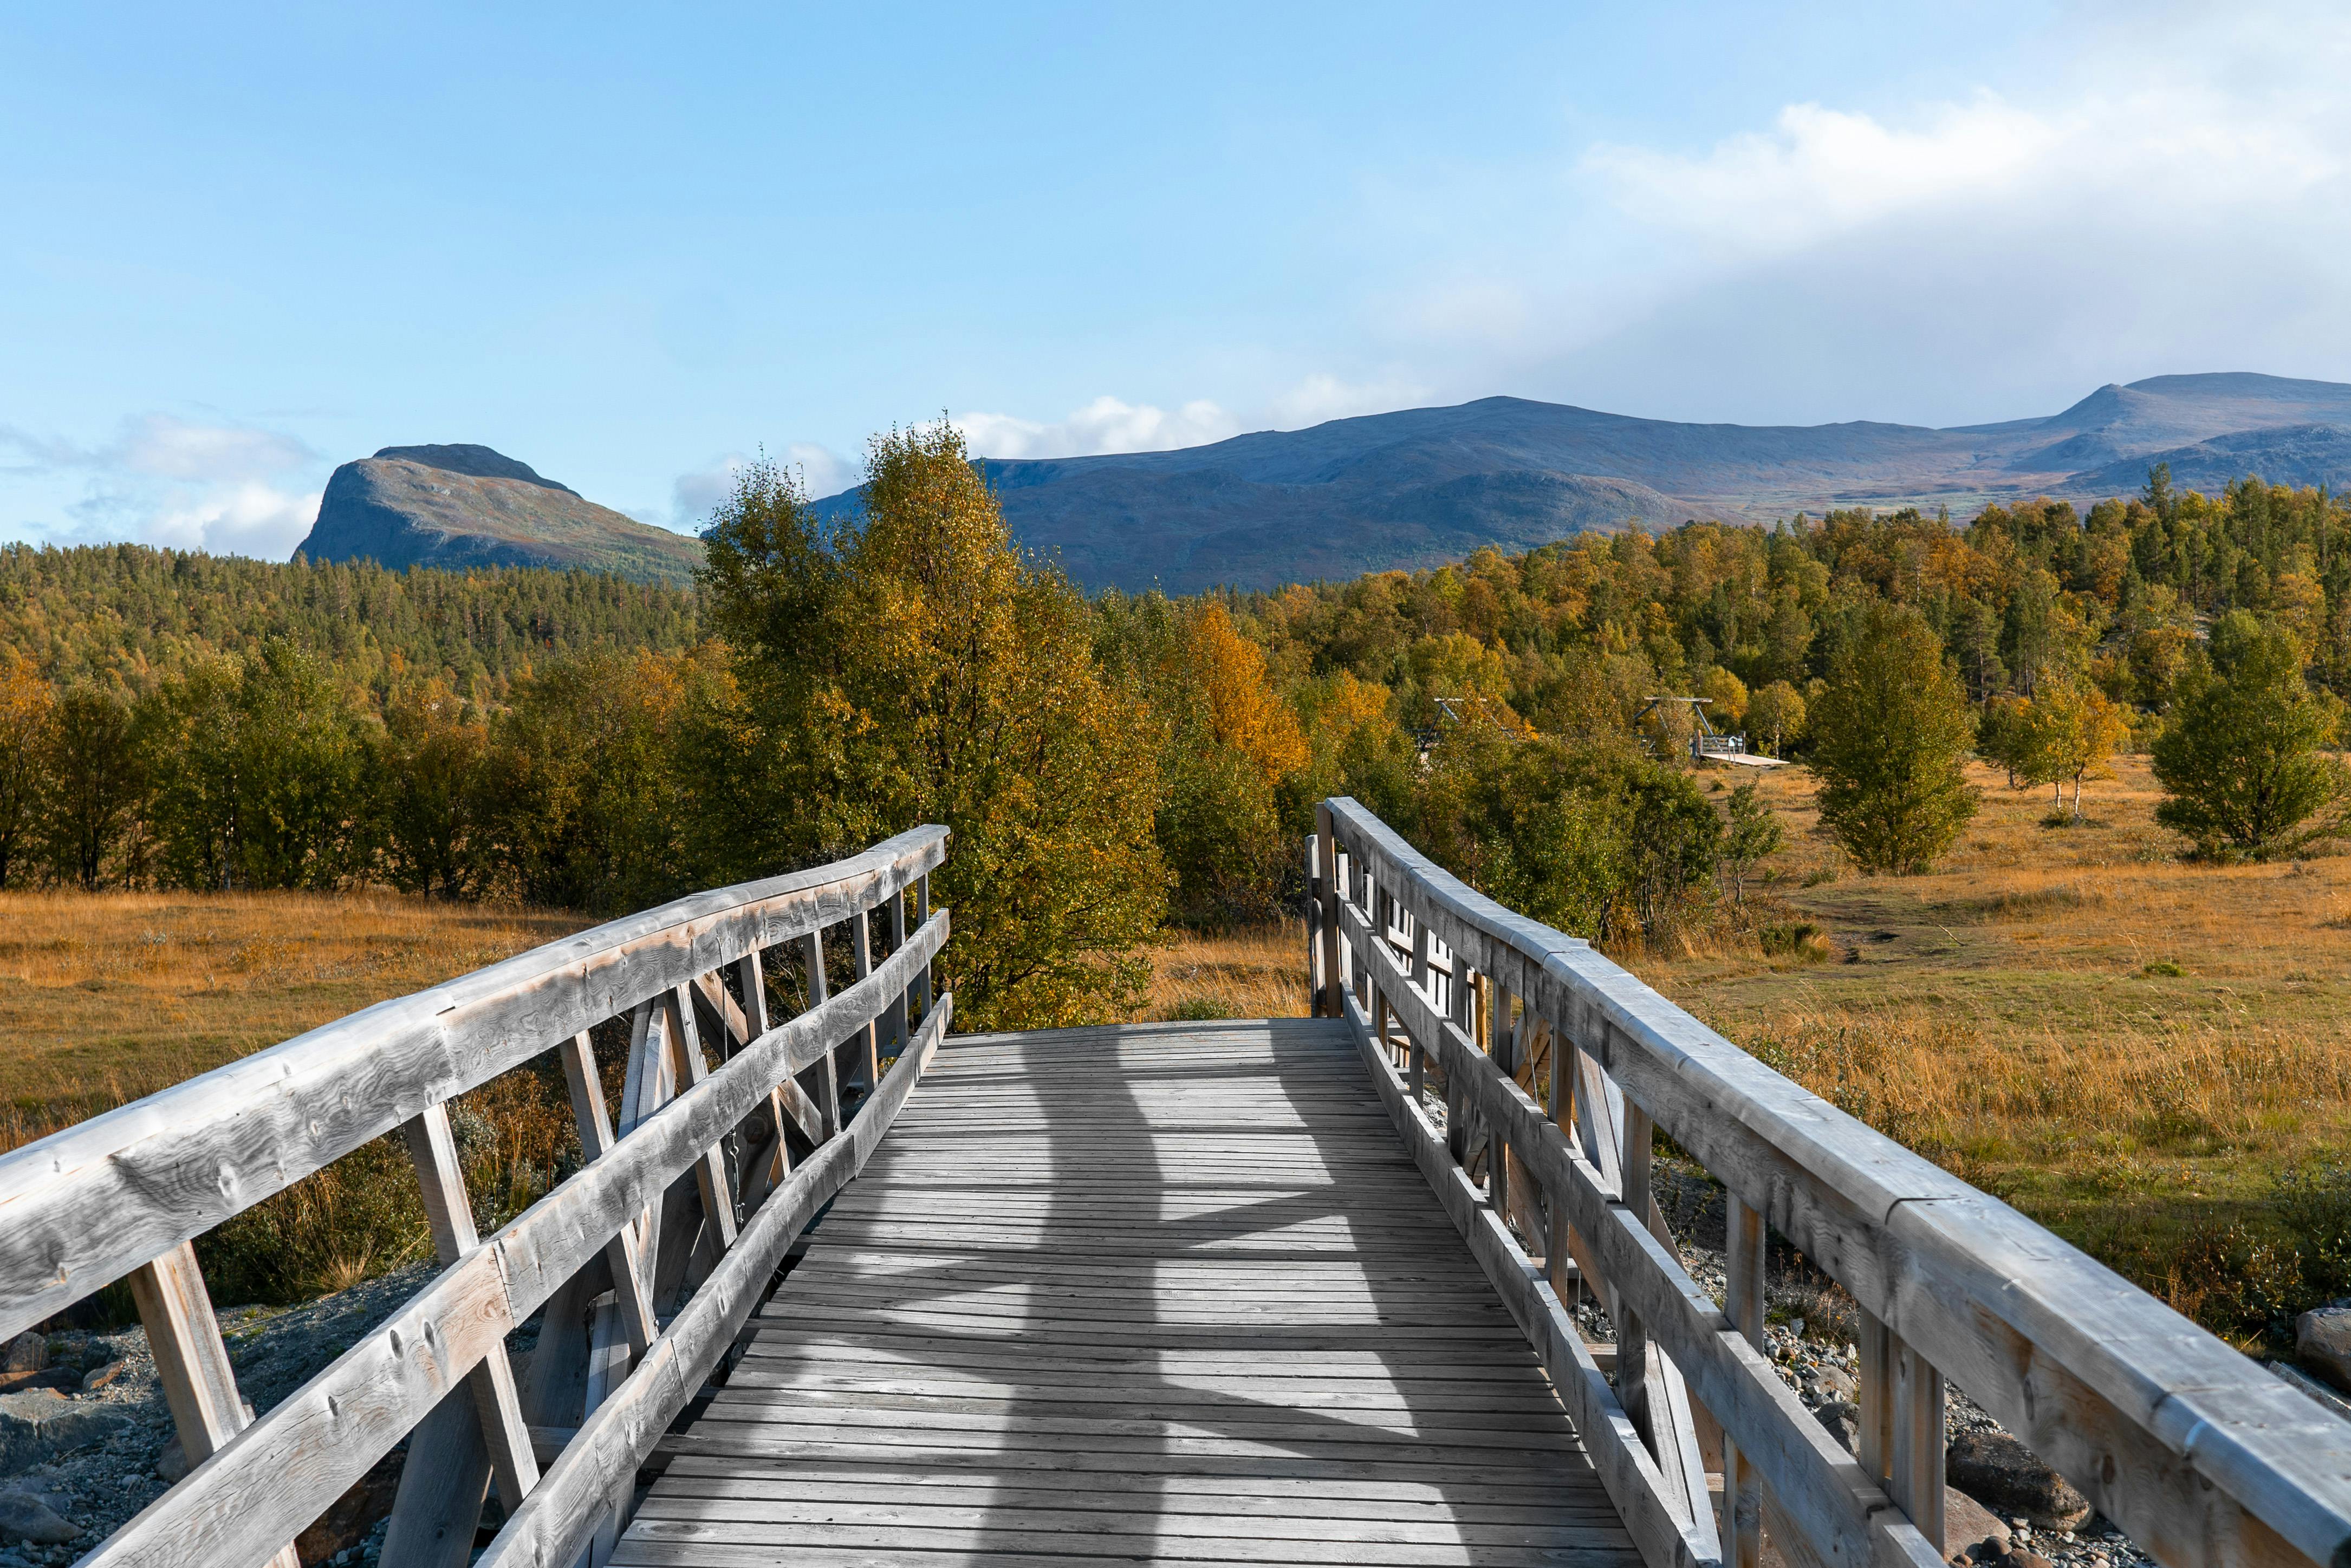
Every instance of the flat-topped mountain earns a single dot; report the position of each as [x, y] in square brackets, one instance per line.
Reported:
[461, 506]
[1430, 484]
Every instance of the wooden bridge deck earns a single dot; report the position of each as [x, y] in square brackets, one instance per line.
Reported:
[1162, 1293]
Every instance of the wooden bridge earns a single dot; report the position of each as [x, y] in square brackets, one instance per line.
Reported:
[1269, 1291]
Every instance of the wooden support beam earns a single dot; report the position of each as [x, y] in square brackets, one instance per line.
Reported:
[828, 1068]
[1744, 1296]
[190, 1362]
[433, 1148]
[861, 953]
[636, 1305]
[1916, 1460]
[690, 1068]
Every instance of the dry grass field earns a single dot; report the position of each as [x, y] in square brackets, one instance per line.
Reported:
[105, 998]
[2150, 1055]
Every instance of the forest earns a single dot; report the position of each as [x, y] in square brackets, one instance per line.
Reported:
[1114, 764]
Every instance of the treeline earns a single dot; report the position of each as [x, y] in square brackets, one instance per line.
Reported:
[125, 616]
[1109, 764]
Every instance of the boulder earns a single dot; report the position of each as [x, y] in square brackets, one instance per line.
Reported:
[2006, 1477]
[38, 1425]
[27, 1516]
[171, 1464]
[1844, 1421]
[29, 1352]
[2322, 1338]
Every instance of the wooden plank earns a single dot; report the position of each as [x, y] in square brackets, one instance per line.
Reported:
[550, 1526]
[283, 1471]
[1625, 1467]
[87, 1205]
[628, 1271]
[2169, 1432]
[190, 1361]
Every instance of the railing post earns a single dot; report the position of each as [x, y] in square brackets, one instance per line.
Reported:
[1326, 892]
[922, 917]
[1916, 1464]
[1632, 1340]
[1743, 1298]
[190, 1362]
[1315, 982]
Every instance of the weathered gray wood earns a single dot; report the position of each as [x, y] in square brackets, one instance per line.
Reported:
[1634, 1483]
[282, 1472]
[1744, 1291]
[709, 1172]
[190, 1361]
[2169, 1432]
[635, 1299]
[553, 1524]
[1917, 1458]
[433, 1148]
[1813, 1479]
[87, 1205]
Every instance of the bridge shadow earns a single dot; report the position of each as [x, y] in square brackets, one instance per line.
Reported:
[1198, 1304]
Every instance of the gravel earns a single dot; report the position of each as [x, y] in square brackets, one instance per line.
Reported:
[274, 1350]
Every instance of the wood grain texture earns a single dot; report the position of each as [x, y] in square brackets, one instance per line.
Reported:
[602, 1460]
[2173, 1435]
[1137, 1294]
[279, 1474]
[87, 1204]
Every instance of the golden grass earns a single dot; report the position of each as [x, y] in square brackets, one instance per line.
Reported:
[2133, 1048]
[106, 998]
[1256, 973]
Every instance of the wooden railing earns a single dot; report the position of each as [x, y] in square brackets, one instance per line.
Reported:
[1556, 1069]
[642, 1266]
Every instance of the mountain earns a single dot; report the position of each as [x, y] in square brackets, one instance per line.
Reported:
[1426, 486]
[462, 506]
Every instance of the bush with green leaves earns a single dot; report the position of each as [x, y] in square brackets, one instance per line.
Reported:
[2239, 762]
[1890, 741]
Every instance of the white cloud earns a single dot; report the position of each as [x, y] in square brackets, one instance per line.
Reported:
[249, 519]
[168, 481]
[1105, 424]
[828, 473]
[169, 448]
[2150, 191]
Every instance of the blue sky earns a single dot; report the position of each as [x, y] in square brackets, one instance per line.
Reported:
[240, 245]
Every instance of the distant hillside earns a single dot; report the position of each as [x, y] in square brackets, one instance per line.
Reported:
[123, 613]
[1425, 485]
[460, 506]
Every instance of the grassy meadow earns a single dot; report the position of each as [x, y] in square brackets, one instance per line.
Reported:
[2151, 1056]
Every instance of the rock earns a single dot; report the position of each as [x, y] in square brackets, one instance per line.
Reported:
[51, 1377]
[26, 1517]
[171, 1464]
[1843, 1422]
[40, 1425]
[100, 1376]
[2002, 1473]
[29, 1352]
[347, 1523]
[2322, 1338]
[2030, 1560]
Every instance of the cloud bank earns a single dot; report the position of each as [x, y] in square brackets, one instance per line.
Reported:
[223, 488]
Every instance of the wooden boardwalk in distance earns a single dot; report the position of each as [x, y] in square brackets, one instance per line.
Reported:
[1154, 1294]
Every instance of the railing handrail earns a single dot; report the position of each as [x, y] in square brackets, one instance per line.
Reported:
[85, 1205]
[2200, 1455]
[689, 1202]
